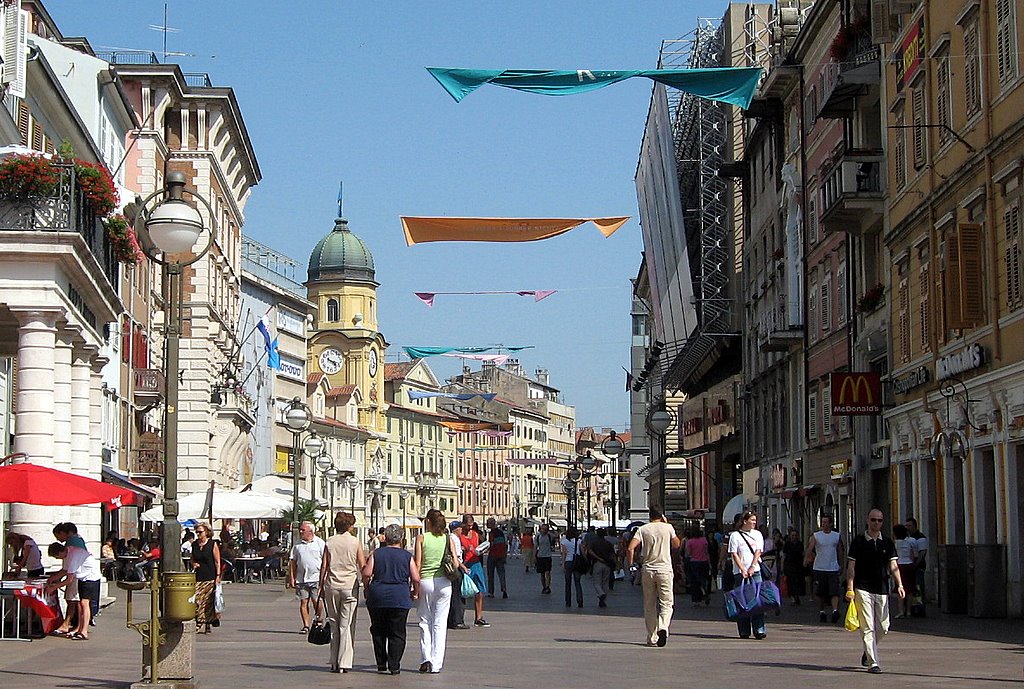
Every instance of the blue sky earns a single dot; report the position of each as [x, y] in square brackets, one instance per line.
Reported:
[335, 91]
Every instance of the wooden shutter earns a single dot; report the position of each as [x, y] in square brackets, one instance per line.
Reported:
[917, 112]
[881, 22]
[903, 325]
[1012, 254]
[901, 152]
[1005, 41]
[812, 415]
[826, 411]
[972, 69]
[25, 122]
[965, 286]
[924, 307]
[826, 303]
[15, 45]
[943, 106]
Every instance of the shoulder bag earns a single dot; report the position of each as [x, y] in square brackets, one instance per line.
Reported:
[750, 599]
[320, 631]
[766, 572]
[580, 563]
[449, 567]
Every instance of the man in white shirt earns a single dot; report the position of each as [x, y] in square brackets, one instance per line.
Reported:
[656, 540]
[79, 576]
[920, 557]
[824, 551]
[304, 571]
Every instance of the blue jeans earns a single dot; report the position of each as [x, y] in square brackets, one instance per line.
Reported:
[570, 577]
[757, 621]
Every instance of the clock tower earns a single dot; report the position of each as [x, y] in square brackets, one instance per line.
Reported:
[345, 344]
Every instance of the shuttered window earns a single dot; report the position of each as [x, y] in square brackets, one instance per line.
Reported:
[812, 313]
[963, 278]
[1006, 41]
[924, 306]
[1012, 254]
[900, 152]
[812, 222]
[826, 303]
[841, 289]
[812, 416]
[918, 132]
[903, 317]
[943, 104]
[826, 411]
[972, 69]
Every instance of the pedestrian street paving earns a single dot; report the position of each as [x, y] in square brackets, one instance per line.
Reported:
[536, 642]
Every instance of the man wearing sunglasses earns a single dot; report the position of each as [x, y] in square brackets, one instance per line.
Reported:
[872, 560]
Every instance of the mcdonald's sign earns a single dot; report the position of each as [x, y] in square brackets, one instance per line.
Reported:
[856, 394]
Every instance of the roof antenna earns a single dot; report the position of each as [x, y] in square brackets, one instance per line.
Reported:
[341, 199]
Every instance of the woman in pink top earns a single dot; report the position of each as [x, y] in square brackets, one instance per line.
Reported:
[698, 567]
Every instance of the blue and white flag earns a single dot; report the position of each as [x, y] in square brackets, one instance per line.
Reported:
[270, 342]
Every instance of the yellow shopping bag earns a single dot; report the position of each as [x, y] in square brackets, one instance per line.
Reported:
[852, 618]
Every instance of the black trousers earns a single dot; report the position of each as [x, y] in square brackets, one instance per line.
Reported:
[457, 609]
[387, 630]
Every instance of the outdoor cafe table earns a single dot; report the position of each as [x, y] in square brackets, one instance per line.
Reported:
[243, 563]
[21, 603]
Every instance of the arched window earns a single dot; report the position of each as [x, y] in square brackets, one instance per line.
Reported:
[333, 314]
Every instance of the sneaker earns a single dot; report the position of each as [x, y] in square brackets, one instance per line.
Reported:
[874, 669]
[760, 635]
[835, 616]
[425, 667]
[864, 660]
[461, 625]
[481, 623]
[662, 637]
[822, 617]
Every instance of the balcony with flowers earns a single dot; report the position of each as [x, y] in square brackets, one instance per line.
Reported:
[60, 194]
[854, 69]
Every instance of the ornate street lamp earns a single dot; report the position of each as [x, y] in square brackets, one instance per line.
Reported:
[169, 235]
[659, 421]
[613, 448]
[298, 419]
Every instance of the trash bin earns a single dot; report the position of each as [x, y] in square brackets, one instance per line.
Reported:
[986, 573]
[953, 578]
[179, 589]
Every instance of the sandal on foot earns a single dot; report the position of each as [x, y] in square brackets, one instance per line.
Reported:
[77, 636]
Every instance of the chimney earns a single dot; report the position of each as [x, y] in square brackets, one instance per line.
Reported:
[542, 376]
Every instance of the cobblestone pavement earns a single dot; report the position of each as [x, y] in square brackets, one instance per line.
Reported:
[536, 642]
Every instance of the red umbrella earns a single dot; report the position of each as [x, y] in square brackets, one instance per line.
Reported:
[39, 485]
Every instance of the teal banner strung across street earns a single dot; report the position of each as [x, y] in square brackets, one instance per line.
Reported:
[733, 85]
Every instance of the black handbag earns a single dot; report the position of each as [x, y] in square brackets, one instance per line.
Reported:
[319, 633]
[580, 562]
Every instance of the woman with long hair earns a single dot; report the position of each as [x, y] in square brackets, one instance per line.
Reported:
[390, 577]
[340, 572]
[435, 589]
[206, 564]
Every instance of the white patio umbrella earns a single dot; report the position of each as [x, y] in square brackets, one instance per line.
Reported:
[226, 505]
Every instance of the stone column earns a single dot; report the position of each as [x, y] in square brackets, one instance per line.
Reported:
[37, 340]
[62, 417]
[87, 518]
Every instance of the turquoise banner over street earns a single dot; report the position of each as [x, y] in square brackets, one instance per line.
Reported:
[733, 85]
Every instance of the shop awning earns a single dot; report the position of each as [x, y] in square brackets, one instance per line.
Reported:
[122, 479]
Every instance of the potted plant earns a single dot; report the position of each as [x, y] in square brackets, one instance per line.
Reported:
[847, 38]
[870, 300]
[123, 240]
[97, 186]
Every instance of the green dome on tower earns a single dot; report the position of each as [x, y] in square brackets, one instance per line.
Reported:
[341, 255]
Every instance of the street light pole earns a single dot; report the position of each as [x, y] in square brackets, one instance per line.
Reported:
[297, 418]
[659, 421]
[613, 448]
[169, 234]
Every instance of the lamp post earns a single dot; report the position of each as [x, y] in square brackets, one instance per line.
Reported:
[613, 448]
[402, 496]
[353, 484]
[426, 485]
[169, 233]
[298, 418]
[659, 421]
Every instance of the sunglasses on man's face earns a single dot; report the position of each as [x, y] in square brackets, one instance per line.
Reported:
[872, 519]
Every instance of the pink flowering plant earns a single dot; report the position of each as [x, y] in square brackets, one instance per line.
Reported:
[123, 240]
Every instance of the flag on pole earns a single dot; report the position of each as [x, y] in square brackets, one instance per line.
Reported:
[270, 342]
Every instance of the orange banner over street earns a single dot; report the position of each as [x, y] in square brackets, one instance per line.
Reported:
[419, 229]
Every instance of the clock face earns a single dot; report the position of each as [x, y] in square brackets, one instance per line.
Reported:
[373, 363]
[331, 361]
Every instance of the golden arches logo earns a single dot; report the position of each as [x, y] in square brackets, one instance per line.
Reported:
[855, 385]
[856, 393]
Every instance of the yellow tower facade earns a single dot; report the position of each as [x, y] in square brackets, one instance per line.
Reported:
[345, 344]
